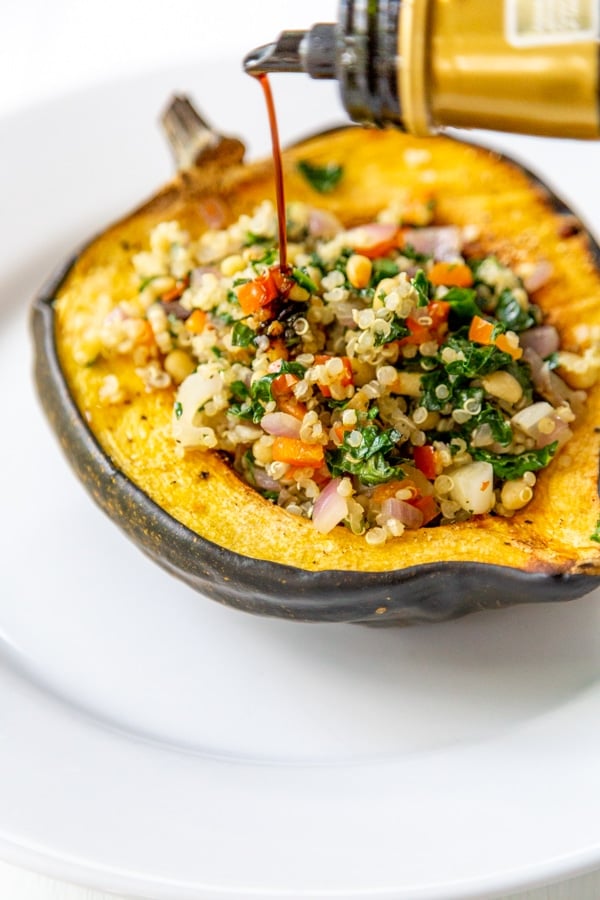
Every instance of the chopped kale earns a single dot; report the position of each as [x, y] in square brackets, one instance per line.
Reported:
[369, 460]
[374, 440]
[499, 426]
[478, 360]
[178, 409]
[463, 302]
[522, 373]
[511, 314]
[596, 534]
[511, 466]
[471, 395]
[383, 268]
[430, 381]
[224, 317]
[372, 471]
[239, 391]
[253, 406]
[398, 330]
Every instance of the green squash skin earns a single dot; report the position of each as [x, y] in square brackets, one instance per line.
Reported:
[427, 593]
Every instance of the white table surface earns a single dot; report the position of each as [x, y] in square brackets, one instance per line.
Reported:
[51, 48]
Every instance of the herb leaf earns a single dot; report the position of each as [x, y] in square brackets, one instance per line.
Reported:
[323, 179]
[303, 280]
[421, 284]
[252, 238]
[267, 259]
[146, 281]
[242, 335]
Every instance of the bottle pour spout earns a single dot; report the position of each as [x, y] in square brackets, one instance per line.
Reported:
[360, 52]
[313, 52]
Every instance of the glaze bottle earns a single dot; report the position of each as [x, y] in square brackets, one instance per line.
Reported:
[527, 66]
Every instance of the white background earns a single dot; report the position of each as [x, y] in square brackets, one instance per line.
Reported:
[48, 48]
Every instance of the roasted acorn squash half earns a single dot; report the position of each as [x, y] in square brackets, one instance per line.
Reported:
[199, 521]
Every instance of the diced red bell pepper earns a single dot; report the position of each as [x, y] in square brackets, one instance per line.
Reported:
[425, 459]
[438, 311]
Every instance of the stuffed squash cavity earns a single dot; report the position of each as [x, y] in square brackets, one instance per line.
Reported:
[418, 388]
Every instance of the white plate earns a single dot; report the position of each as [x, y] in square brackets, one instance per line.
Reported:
[155, 743]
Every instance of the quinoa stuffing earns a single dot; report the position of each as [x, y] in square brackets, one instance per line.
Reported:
[385, 380]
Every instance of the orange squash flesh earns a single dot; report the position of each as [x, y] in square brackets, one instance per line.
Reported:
[515, 220]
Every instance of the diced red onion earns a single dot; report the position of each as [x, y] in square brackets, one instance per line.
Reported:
[443, 242]
[213, 211]
[115, 315]
[543, 339]
[540, 371]
[174, 308]
[330, 508]
[323, 224]
[538, 276]
[197, 273]
[561, 433]
[366, 236]
[281, 424]
[344, 314]
[410, 516]
[529, 419]
[194, 391]
[549, 384]
[264, 481]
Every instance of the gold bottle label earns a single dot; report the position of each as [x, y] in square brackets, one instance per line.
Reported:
[529, 66]
[530, 23]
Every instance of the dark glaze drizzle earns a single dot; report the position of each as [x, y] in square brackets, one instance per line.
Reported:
[277, 170]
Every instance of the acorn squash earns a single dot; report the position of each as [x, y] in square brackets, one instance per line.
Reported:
[197, 519]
